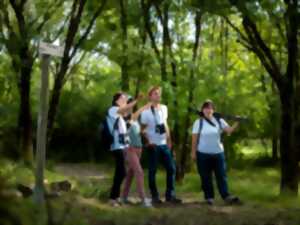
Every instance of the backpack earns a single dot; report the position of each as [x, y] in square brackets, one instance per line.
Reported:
[106, 134]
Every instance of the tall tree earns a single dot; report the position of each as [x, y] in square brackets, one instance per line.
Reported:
[161, 57]
[73, 42]
[287, 81]
[124, 58]
[18, 30]
[185, 147]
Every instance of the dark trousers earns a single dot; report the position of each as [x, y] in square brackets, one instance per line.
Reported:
[208, 164]
[163, 153]
[120, 173]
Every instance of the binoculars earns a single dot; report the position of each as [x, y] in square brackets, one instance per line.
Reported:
[160, 129]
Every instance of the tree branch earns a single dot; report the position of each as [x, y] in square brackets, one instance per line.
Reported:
[89, 28]
[49, 14]
[235, 28]
[146, 8]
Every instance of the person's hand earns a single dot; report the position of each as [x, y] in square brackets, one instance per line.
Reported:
[169, 145]
[193, 155]
[140, 96]
[174, 154]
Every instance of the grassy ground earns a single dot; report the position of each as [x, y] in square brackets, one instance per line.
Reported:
[87, 204]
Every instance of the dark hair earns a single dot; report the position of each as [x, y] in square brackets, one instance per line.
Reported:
[116, 98]
[207, 103]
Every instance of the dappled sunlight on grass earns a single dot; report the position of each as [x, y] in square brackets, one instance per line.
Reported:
[87, 203]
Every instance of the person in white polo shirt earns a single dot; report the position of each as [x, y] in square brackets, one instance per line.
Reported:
[208, 151]
[158, 143]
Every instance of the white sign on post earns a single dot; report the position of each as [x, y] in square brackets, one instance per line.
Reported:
[46, 50]
[50, 49]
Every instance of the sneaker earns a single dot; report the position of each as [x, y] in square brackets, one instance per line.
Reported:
[209, 201]
[156, 201]
[174, 200]
[124, 200]
[146, 202]
[233, 200]
[114, 203]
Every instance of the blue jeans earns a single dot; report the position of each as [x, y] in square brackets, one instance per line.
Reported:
[208, 164]
[163, 153]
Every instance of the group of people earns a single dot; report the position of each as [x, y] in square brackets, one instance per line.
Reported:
[147, 128]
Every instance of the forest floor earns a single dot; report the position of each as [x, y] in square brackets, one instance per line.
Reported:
[87, 202]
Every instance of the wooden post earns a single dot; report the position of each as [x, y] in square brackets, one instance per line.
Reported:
[39, 190]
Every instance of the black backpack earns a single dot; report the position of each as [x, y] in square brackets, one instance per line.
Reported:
[106, 136]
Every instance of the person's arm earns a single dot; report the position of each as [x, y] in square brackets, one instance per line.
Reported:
[229, 129]
[127, 107]
[136, 114]
[168, 133]
[195, 138]
[194, 145]
[130, 105]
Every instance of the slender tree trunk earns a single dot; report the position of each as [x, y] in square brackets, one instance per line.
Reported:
[275, 146]
[25, 117]
[71, 48]
[124, 61]
[185, 147]
[160, 58]
[53, 106]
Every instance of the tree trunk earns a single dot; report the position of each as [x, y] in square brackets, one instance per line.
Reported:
[53, 106]
[25, 117]
[71, 48]
[275, 146]
[185, 147]
[124, 60]
[289, 162]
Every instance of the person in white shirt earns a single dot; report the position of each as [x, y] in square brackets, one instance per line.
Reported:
[118, 129]
[208, 151]
[158, 143]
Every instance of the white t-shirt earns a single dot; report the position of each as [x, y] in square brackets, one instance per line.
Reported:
[147, 118]
[122, 129]
[210, 137]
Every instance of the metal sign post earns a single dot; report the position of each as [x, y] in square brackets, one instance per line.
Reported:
[45, 50]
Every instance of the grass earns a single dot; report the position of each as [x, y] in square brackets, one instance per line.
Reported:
[87, 203]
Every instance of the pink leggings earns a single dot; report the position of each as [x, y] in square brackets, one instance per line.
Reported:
[134, 168]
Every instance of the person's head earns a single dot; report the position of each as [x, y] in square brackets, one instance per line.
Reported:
[208, 108]
[154, 94]
[119, 99]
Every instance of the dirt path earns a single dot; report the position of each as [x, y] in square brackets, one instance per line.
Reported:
[81, 171]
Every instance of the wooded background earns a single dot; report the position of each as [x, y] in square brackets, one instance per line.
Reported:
[242, 54]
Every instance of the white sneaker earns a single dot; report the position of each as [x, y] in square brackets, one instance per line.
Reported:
[114, 203]
[146, 202]
[124, 200]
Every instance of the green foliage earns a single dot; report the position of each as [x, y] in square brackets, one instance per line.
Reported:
[224, 71]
